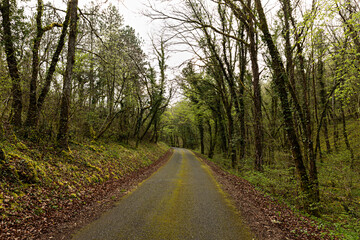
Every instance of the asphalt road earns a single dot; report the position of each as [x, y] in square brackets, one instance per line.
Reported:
[182, 200]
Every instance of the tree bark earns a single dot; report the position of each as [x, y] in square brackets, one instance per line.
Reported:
[280, 78]
[55, 59]
[323, 102]
[213, 137]
[62, 136]
[12, 62]
[241, 102]
[309, 145]
[346, 138]
[335, 123]
[201, 131]
[258, 127]
[31, 119]
[31, 116]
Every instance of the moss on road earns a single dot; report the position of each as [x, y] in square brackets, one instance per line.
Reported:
[180, 201]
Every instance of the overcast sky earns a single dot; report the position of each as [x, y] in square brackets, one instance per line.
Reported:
[132, 12]
[130, 9]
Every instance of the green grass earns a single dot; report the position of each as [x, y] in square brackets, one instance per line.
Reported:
[339, 184]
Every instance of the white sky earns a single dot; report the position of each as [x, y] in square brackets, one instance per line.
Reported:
[130, 9]
[145, 28]
[132, 12]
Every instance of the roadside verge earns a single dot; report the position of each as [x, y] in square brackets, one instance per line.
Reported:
[47, 194]
[267, 218]
[108, 194]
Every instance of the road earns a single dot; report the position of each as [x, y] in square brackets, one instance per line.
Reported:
[182, 200]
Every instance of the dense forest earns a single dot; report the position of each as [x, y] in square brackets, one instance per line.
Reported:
[271, 93]
[78, 73]
[78, 95]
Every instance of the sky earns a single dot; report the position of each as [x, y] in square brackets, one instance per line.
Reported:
[144, 27]
[132, 11]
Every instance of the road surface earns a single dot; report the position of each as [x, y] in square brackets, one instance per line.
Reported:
[182, 200]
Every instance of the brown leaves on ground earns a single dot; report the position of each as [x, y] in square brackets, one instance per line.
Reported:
[266, 218]
[58, 217]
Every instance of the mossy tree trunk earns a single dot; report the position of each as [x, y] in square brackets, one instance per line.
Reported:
[346, 138]
[33, 119]
[280, 79]
[62, 136]
[32, 115]
[258, 126]
[12, 62]
[320, 77]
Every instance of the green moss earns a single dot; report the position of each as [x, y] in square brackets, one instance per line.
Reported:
[52, 177]
[21, 146]
[73, 195]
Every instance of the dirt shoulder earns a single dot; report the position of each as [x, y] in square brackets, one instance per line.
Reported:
[267, 218]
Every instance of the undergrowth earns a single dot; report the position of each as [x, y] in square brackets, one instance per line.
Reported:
[38, 179]
[339, 184]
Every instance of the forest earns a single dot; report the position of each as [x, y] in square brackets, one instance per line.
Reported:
[270, 94]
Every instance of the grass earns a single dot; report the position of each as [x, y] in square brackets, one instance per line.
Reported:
[339, 184]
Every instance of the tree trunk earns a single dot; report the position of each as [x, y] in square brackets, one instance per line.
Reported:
[55, 59]
[201, 132]
[258, 129]
[92, 73]
[31, 116]
[346, 138]
[153, 113]
[335, 123]
[16, 91]
[231, 142]
[309, 146]
[323, 102]
[242, 104]
[62, 136]
[280, 78]
[213, 136]
[222, 128]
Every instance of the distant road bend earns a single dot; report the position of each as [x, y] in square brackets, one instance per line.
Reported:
[181, 200]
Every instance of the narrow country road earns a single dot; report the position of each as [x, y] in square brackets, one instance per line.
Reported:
[181, 200]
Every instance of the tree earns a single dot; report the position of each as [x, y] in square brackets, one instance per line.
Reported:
[62, 136]
[280, 80]
[12, 62]
[32, 115]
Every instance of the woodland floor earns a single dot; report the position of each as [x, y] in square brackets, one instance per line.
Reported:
[73, 215]
[267, 218]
